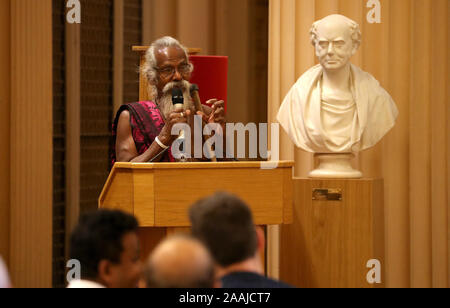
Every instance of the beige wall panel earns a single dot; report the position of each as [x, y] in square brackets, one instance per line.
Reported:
[304, 17]
[287, 52]
[287, 63]
[396, 150]
[31, 149]
[160, 19]
[274, 95]
[439, 158]
[325, 7]
[193, 25]
[274, 101]
[420, 142]
[448, 137]
[222, 10]
[5, 107]
[237, 50]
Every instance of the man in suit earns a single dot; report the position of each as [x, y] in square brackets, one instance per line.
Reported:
[105, 243]
[225, 225]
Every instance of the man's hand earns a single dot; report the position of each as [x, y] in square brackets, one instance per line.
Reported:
[175, 117]
[216, 114]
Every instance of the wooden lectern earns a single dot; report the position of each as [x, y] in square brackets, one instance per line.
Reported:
[160, 194]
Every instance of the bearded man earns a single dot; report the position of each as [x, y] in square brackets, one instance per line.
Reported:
[142, 131]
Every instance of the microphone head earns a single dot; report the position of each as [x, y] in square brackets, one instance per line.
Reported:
[177, 96]
[193, 88]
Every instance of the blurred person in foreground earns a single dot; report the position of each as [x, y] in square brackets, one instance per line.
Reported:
[180, 262]
[225, 225]
[5, 283]
[106, 245]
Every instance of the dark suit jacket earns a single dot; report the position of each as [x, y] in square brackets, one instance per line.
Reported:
[242, 280]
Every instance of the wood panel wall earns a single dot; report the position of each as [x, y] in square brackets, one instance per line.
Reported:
[31, 143]
[73, 126]
[219, 27]
[5, 107]
[59, 144]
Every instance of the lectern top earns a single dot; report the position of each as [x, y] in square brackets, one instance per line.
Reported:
[206, 165]
[148, 191]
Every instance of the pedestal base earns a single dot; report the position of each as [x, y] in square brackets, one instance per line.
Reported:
[335, 166]
[338, 227]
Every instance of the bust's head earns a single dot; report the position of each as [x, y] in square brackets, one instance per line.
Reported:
[336, 39]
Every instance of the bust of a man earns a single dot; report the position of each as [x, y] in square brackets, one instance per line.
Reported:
[335, 107]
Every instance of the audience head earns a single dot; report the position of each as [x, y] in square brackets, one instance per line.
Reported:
[180, 262]
[225, 224]
[106, 244]
[4, 277]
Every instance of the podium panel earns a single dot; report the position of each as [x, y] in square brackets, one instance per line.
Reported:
[160, 194]
[338, 226]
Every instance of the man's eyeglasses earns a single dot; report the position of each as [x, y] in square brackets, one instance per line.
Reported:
[169, 71]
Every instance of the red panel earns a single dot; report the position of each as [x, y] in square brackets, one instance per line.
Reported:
[210, 74]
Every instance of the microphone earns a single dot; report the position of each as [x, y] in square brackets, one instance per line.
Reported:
[177, 98]
[195, 97]
[194, 89]
[178, 103]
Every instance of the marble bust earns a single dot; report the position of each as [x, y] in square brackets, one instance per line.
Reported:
[335, 107]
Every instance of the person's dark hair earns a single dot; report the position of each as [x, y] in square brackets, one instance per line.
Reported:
[98, 236]
[225, 225]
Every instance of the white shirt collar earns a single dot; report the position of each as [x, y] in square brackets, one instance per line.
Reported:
[84, 284]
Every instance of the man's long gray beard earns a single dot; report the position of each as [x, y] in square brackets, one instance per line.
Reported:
[165, 102]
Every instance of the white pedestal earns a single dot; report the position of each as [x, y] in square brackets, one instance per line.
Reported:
[335, 166]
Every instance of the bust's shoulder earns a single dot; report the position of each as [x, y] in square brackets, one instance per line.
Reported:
[310, 75]
[366, 84]
[361, 76]
[313, 71]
